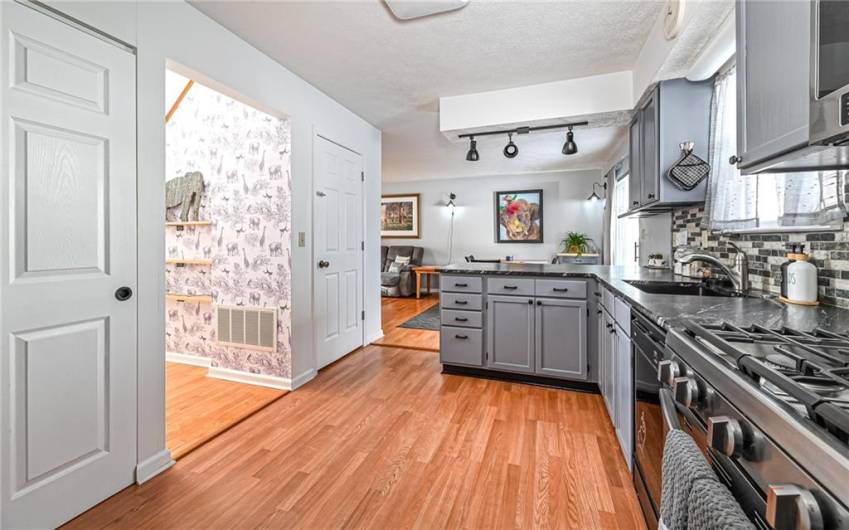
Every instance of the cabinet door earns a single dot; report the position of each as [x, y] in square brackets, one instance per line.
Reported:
[510, 333]
[561, 338]
[650, 147]
[609, 370]
[624, 393]
[635, 161]
[773, 78]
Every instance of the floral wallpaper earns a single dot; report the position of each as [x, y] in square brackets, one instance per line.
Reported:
[244, 157]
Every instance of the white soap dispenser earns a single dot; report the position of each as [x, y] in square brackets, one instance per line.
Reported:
[799, 278]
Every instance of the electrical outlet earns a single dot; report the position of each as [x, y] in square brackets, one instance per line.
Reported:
[302, 239]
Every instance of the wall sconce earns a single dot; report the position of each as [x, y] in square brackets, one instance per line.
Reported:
[595, 196]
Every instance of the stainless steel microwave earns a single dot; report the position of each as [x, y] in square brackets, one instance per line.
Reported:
[829, 116]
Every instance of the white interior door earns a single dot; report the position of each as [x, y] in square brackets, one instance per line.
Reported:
[68, 239]
[338, 255]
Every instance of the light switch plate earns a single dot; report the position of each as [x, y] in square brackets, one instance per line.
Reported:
[302, 239]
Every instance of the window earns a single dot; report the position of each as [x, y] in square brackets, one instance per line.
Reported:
[624, 232]
[770, 201]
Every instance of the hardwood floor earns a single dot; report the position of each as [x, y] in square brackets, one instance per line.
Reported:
[381, 439]
[198, 408]
[396, 311]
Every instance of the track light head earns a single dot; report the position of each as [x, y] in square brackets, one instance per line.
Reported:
[570, 147]
[510, 150]
[472, 155]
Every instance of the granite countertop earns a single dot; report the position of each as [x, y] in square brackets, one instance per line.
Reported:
[670, 310]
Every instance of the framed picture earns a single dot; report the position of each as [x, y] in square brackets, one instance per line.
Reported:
[399, 216]
[518, 216]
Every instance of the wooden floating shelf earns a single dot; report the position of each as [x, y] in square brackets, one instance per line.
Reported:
[188, 223]
[200, 298]
[176, 261]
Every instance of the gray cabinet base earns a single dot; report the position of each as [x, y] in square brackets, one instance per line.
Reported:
[529, 379]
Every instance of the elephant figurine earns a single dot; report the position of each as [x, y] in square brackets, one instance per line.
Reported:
[185, 192]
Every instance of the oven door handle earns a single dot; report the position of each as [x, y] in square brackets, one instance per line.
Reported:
[669, 410]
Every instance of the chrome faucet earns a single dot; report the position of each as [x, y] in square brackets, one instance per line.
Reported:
[738, 273]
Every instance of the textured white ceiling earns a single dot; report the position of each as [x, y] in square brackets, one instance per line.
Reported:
[392, 73]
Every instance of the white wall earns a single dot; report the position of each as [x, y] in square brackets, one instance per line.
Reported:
[565, 209]
[176, 31]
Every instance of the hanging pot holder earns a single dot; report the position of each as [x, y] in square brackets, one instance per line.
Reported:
[689, 170]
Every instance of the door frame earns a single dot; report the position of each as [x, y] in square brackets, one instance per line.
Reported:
[316, 135]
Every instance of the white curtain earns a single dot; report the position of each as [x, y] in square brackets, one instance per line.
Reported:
[624, 230]
[767, 201]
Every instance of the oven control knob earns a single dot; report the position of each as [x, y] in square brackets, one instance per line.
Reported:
[789, 507]
[725, 435]
[686, 390]
[667, 371]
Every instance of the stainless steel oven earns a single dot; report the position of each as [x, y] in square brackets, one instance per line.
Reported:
[829, 116]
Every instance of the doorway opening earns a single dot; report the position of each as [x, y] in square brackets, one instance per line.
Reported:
[228, 260]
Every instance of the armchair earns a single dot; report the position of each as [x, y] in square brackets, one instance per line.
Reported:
[403, 281]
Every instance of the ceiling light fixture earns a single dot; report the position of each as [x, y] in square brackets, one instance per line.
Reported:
[570, 147]
[472, 155]
[510, 150]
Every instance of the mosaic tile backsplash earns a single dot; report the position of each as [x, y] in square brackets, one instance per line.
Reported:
[829, 252]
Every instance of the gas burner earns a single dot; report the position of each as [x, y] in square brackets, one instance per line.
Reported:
[781, 361]
[823, 386]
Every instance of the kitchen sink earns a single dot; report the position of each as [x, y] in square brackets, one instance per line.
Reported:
[683, 288]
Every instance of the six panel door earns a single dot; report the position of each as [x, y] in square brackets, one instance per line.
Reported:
[68, 194]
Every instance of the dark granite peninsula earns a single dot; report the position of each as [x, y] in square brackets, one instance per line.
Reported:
[668, 310]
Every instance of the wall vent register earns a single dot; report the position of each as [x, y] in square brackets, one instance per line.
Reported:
[251, 328]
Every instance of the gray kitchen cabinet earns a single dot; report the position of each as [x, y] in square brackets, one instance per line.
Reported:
[461, 338]
[635, 153]
[561, 338]
[510, 333]
[773, 80]
[673, 112]
[461, 346]
[624, 390]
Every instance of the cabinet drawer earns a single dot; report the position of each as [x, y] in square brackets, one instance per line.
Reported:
[517, 286]
[466, 319]
[460, 284]
[622, 314]
[561, 288]
[469, 302]
[607, 299]
[461, 346]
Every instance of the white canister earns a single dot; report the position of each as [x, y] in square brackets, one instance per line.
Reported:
[802, 281]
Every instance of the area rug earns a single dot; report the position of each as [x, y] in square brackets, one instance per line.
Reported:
[428, 319]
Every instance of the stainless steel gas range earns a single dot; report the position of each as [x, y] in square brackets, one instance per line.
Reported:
[770, 409]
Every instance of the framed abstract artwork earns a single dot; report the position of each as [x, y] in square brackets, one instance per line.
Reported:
[399, 216]
[518, 216]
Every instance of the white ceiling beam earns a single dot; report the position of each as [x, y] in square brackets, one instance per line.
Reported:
[606, 96]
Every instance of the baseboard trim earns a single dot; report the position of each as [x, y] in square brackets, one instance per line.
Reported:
[377, 336]
[186, 358]
[302, 379]
[528, 379]
[153, 466]
[270, 381]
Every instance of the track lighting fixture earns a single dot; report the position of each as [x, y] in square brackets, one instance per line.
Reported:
[570, 147]
[510, 150]
[472, 155]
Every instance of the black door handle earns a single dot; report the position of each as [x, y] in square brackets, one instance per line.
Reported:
[122, 294]
[539, 302]
[560, 289]
[461, 337]
[461, 285]
[458, 319]
[323, 264]
[530, 301]
[460, 302]
[511, 287]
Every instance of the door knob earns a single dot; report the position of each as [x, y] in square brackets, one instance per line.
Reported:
[123, 294]
[323, 264]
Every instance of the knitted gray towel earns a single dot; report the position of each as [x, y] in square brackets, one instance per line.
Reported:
[683, 464]
[712, 507]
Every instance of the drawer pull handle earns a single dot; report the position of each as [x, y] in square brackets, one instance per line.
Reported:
[560, 289]
[461, 337]
[511, 287]
[460, 319]
[461, 302]
[461, 285]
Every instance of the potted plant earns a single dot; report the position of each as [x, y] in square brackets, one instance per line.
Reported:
[575, 243]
